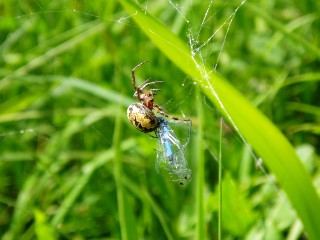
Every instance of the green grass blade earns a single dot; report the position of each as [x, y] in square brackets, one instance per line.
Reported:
[42, 228]
[54, 51]
[127, 220]
[23, 203]
[262, 135]
[160, 213]
[201, 228]
[312, 49]
[220, 184]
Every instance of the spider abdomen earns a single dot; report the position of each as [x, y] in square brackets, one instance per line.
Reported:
[142, 118]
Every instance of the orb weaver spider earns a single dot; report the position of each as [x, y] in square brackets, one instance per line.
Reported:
[171, 162]
[140, 114]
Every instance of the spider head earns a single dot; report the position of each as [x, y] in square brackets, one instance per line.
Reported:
[145, 97]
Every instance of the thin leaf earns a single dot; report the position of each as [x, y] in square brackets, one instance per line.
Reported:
[257, 129]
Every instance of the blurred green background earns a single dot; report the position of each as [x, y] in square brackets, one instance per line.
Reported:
[73, 167]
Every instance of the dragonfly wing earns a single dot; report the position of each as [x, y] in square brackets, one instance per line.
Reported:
[171, 162]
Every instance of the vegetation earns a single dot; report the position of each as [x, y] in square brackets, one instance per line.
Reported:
[73, 167]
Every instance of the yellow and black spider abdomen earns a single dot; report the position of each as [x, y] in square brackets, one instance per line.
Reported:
[142, 118]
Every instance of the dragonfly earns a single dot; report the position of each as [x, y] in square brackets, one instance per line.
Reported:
[171, 162]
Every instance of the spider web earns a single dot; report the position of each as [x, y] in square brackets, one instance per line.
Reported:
[206, 32]
[209, 48]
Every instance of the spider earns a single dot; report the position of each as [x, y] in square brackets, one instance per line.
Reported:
[171, 162]
[140, 114]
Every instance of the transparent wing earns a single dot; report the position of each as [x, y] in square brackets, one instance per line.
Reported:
[182, 129]
[171, 162]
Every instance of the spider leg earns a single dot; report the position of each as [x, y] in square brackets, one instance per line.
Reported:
[147, 83]
[155, 90]
[137, 94]
[141, 86]
[133, 74]
[161, 111]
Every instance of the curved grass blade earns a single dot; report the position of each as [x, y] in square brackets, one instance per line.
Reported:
[256, 128]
